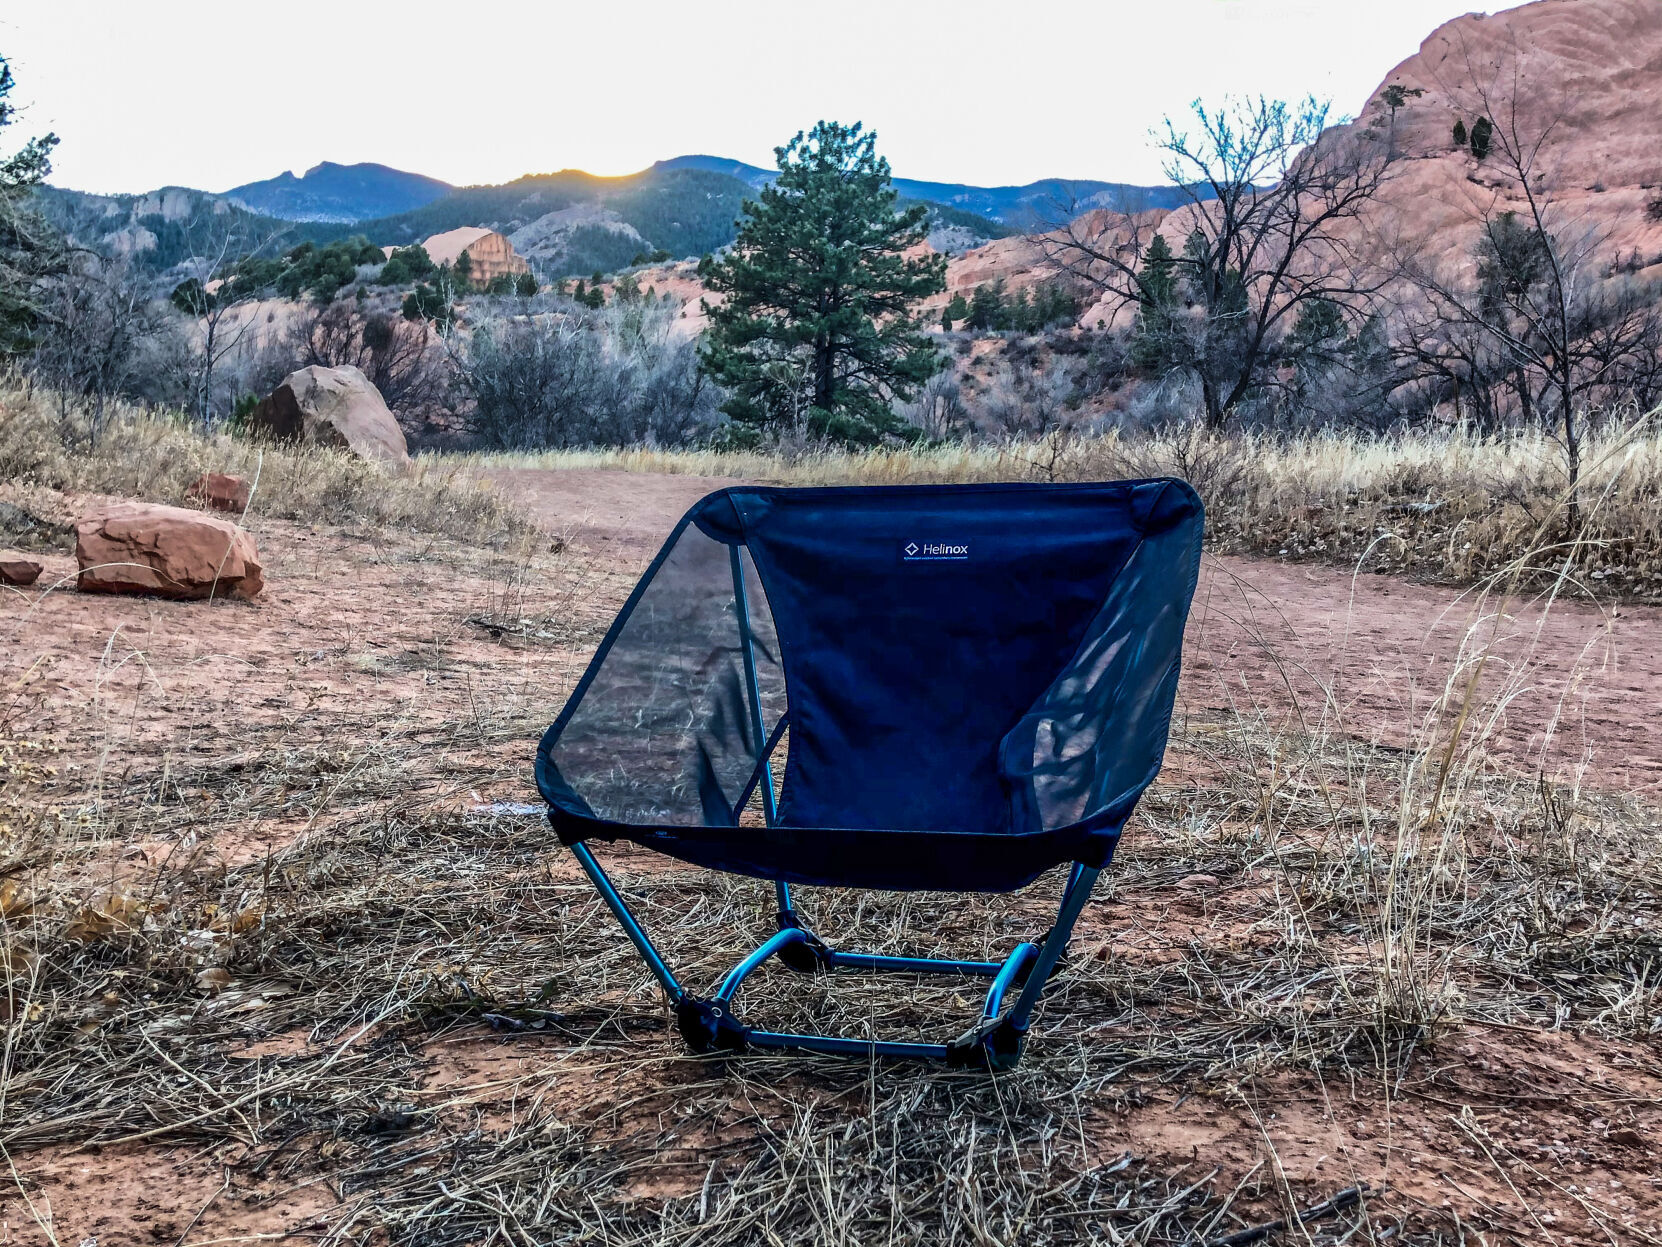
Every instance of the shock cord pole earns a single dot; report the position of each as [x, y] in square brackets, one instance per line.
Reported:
[753, 689]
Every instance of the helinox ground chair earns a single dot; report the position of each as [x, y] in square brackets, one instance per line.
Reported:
[974, 684]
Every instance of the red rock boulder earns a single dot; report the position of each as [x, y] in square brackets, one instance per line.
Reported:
[19, 572]
[220, 492]
[170, 552]
[334, 407]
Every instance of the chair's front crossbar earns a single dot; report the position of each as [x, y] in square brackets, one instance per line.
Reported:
[710, 1024]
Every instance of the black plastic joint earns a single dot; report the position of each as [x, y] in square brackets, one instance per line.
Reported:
[708, 1026]
[808, 955]
[990, 1046]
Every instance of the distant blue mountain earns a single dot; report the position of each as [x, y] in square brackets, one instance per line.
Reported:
[1035, 205]
[331, 192]
[365, 192]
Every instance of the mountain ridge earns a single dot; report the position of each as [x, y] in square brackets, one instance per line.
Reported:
[339, 193]
[368, 191]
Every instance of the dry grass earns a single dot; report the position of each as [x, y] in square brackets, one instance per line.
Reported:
[1310, 913]
[1365, 904]
[156, 456]
[1441, 506]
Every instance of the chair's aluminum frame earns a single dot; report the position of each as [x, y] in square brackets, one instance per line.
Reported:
[710, 1024]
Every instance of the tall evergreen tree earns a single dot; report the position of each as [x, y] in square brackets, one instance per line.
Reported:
[817, 325]
[1155, 331]
[956, 312]
[986, 308]
[30, 250]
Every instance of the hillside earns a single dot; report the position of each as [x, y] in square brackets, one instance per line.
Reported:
[1587, 78]
[565, 223]
[573, 222]
[343, 193]
[1021, 207]
[161, 230]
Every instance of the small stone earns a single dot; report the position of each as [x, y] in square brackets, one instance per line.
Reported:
[1198, 882]
[19, 572]
[220, 492]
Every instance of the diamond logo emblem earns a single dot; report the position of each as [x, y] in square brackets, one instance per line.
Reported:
[911, 548]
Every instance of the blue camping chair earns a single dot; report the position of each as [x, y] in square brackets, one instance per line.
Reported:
[974, 684]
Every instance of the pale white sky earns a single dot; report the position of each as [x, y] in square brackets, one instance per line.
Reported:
[213, 94]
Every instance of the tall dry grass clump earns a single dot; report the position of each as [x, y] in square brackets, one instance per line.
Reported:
[157, 455]
[1444, 505]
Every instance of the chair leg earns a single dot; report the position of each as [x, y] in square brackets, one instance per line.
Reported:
[633, 929]
[710, 1025]
[1078, 892]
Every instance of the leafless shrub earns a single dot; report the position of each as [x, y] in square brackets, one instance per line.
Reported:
[939, 411]
[401, 358]
[98, 336]
[563, 376]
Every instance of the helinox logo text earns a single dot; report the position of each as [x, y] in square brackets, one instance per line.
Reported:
[935, 552]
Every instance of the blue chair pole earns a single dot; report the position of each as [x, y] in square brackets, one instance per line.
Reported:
[636, 933]
[837, 960]
[1080, 882]
[1007, 974]
[747, 647]
[776, 943]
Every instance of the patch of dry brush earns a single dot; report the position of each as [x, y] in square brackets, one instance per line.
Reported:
[1444, 506]
[46, 450]
[1297, 911]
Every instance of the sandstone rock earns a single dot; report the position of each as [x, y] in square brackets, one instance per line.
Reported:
[20, 572]
[220, 492]
[172, 552]
[1583, 77]
[335, 407]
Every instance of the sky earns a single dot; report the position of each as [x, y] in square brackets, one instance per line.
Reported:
[212, 95]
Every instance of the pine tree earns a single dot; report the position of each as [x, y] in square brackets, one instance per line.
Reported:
[1459, 132]
[817, 324]
[525, 285]
[1153, 331]
[1482, 131]
[986, 307]
[464, 272]
[29, 251]
[956, 312]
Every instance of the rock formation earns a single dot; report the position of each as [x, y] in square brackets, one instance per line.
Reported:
[18, 572]
[334, 407]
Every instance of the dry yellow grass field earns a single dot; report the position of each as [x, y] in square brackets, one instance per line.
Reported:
[1380, 962]
[1446, 506]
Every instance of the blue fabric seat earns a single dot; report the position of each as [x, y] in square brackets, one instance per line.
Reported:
[951, 687]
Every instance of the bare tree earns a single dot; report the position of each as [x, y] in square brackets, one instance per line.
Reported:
[401, 357]
[1564, 330]
[558, 375]
[95, 324]
[218, 302]
[30, 250]
[1268, 231]
[939, 411]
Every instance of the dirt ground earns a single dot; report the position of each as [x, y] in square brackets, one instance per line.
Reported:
[364, 641]
[1370, 652]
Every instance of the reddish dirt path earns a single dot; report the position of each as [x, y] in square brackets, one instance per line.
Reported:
[1367, 657]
